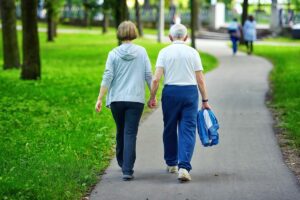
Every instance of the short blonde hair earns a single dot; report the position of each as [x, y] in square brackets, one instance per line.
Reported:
[127, 31]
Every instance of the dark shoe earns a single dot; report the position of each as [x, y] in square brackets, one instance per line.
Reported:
[127, 177]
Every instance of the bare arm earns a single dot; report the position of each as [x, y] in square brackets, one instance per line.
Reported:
[154, 86]
[106, 81]
[102, 93]
[155, 81]
[148, 72]
[202, 87]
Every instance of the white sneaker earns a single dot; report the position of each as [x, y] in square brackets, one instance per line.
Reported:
[172, 169]
[183, 175]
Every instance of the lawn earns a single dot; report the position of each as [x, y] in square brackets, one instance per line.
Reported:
[93, 29]
[283, 39]
[285, 82]
[52, 143]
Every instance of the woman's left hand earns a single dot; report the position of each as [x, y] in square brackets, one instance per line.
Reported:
[98, 106]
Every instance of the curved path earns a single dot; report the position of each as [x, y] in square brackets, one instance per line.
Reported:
[247, 164]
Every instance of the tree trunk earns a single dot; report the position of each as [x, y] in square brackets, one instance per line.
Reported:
[161, 20]
[105, 22]
[146, 4]
[86, 17]
[245, 11]
[11, 56]
[124, 9]
[69, 5]
[86, 13]
[121, 13]
[194, 21]
[31, 68]
[106, 10]
[50, 25]
[138, 18]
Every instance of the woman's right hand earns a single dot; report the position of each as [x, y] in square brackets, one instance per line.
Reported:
[152, 103]
[98, 106]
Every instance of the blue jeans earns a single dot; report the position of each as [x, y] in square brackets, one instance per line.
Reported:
[127, 116]
[234, 41]
[180, 107]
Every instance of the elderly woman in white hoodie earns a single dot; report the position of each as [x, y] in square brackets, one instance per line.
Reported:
[127, 69]
[249, 30]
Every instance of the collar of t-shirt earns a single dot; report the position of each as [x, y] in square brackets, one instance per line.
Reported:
[178, 42]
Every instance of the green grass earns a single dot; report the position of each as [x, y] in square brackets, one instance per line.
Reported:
[52, 143]
[285, 82]
[283, 39]
[209, 62]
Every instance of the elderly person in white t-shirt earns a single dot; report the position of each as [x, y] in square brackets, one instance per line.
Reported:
[182, 69]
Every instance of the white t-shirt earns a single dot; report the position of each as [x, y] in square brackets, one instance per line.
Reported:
[179, 62]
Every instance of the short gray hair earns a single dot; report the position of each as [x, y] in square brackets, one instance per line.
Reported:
[178, 31]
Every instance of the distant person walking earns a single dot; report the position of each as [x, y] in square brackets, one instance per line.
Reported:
[249, 30]
[127, 69]
[234, 31]
[182, 69]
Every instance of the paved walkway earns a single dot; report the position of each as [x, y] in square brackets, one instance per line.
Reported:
[246, 165]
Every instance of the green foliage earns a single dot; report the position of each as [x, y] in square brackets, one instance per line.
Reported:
[75, 2]
[54, 6]
[90, 4]
[52, 143]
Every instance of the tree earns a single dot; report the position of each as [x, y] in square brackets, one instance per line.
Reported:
[87, 7]
[138, 18]
[106, 10]
[121, 11]
[11, 57]
[53, 12]
[90, 8]
[31, 68]
[245, 11]
[146, 4]
[194, 21]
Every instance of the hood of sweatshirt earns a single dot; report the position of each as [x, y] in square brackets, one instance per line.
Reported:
[127, 51]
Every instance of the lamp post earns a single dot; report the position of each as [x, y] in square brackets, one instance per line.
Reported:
[194, 21]
[161, 20]
[275, 17]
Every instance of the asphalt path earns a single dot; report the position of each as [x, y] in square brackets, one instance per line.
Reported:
[246, 165]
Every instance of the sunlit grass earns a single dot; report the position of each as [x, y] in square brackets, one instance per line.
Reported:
[283, 39]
